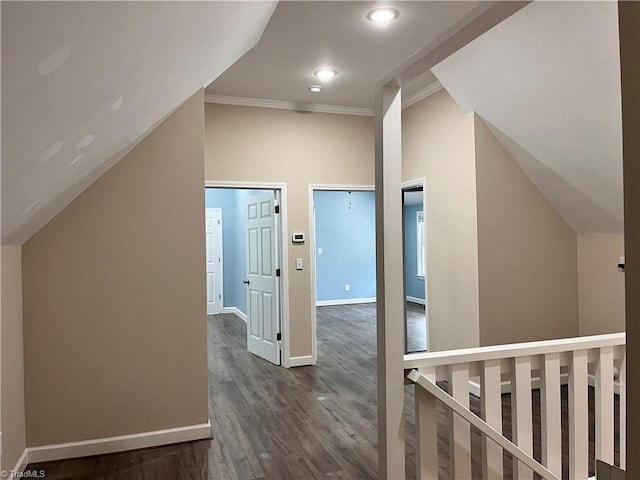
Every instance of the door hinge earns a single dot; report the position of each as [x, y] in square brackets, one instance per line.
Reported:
[279, 336]
[277, 208]
[219, 222]
[219, 297]
[277, 272]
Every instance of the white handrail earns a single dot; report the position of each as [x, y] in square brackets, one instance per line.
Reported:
[468, 355]
[485, 428]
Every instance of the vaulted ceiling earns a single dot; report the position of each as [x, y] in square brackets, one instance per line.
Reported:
[82, 82]
[547, 82]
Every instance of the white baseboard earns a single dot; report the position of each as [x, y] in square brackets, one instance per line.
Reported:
[21, 465]
[100, 446]
[301, 361]
[344, 301]
[419, 301]
[236, 311]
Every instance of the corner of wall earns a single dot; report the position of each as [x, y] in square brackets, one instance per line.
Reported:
[12, 408]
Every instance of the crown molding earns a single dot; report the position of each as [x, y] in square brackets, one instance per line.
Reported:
[286, 105]
[314, 107]
[422, 94]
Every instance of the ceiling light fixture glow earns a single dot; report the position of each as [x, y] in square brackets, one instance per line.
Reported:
[383, 15]
[325, 73]
[315, 88]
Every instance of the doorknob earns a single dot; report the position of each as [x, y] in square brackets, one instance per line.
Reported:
[246, 282]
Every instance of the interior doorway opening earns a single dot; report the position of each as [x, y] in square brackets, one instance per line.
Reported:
[343, 276]
[415, 267]
[244, 252]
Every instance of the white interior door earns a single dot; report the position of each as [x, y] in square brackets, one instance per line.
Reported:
[213, 225]
[263, 319]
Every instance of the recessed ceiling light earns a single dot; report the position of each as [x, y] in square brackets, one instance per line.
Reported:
[315, 88]
[383, 15]
[325, 73]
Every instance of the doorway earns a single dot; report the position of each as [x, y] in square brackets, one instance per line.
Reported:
[249, 257]
[343, 263]
[415, 267]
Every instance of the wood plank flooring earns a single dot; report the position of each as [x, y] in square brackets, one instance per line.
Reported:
[274, 423]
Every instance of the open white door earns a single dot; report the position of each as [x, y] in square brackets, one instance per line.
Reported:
[263, 319]
[213, 228]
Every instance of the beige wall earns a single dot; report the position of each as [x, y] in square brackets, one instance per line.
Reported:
[250, 144]
[437, 144]
[600, 284]
[12, 414]
[114, 295]
[526, 253]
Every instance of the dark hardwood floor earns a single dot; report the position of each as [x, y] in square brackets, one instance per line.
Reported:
[416, 328]
[274, 423]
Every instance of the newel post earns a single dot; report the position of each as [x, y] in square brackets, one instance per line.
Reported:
[389, 283]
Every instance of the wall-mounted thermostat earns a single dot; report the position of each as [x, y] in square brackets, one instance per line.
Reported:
[297, 238]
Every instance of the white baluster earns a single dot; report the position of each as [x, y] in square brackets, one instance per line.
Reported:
[622, 377]
[578, 417]
[604, 406]
[550, 405]
[426, 430]
[460, 432]
[521, 415]
[491, 411]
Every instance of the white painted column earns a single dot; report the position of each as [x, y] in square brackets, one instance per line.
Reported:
[521, 413]
[389, 283]
[491, 412]
[578, 416]
[426, 430]
[550, 412]
[604, 406]
[459, 428]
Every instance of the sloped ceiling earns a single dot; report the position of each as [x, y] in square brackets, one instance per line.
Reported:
[547, 82]
[83, 82]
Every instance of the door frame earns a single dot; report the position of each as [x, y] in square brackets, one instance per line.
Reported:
[421, 182]
[312, 246]
[219, 210]
[284, 246]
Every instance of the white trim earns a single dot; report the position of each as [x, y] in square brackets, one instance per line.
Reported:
[344, 301]
[286, 340]
[100, 446]
[302, 361]
[530, 349]
[288, 105]
[422, 94]
[21, 464]
[419, 301]
[236, 311]
[316, 107]
[312, 244]
[218, 210]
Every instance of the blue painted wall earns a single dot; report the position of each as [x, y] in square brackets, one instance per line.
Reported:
[414, 286]
[347, 238]
[234, 241]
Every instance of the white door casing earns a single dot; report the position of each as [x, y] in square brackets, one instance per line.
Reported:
[263, 309]
[213, 242]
